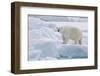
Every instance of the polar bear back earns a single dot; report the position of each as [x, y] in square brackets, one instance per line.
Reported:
[74, 33]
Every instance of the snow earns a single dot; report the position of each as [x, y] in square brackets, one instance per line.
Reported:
[35, 23]
[45, 43]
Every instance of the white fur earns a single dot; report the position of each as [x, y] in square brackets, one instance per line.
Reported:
[69, 32]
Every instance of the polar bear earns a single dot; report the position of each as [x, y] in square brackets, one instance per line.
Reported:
[69, 32]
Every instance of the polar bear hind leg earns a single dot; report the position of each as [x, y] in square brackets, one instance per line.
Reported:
[80, 41]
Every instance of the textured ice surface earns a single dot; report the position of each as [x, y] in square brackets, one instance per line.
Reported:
[72, 51]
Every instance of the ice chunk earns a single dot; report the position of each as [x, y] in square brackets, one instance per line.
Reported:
[34, 55]
[46, 40]
[48, 48]
[72, 51]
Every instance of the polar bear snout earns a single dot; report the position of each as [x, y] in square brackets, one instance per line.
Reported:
[58, 30]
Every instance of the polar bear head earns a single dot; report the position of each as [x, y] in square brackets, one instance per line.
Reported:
[59, 29]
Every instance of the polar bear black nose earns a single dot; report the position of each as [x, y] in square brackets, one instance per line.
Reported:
[58, 30]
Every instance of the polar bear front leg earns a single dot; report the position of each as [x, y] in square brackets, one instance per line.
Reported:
[76, 42]
[65, 40]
